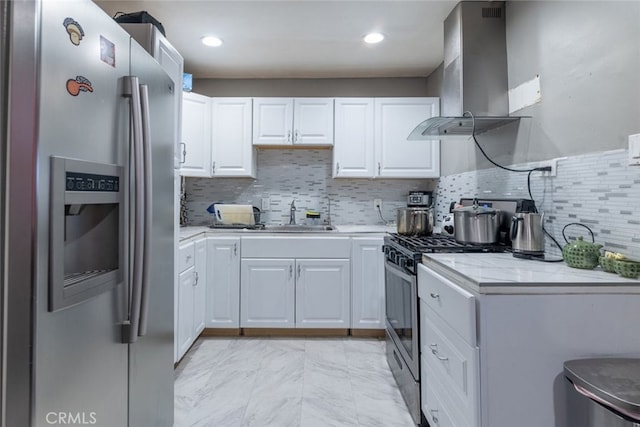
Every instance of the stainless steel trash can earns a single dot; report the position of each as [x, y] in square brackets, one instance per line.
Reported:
[612, 386]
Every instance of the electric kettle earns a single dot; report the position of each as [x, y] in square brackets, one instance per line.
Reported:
[527, 236]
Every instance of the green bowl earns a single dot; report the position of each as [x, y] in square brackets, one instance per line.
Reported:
[630, 269]
[608, 264]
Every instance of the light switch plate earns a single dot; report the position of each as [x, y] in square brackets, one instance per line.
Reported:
[634, 150]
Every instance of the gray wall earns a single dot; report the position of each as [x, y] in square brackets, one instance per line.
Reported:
[313, 87]
[588, 56]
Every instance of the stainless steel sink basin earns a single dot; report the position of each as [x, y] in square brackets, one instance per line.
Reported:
[299, 228]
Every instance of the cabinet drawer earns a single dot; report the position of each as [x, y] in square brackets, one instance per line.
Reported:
[434, 410]
[452, 362]
[455, 305]
[186, 257]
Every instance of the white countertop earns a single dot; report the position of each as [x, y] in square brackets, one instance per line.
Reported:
[191, 232]
[489, 273]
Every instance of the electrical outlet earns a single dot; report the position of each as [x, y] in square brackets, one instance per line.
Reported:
[553, 163]
[266, 204]
[377, 203]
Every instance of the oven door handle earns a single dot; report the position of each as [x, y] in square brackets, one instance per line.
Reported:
[403, 271]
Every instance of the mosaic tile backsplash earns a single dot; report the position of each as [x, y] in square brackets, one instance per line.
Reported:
[599, 190]
[303, 175]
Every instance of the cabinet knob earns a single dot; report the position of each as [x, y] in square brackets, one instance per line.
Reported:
[434, 295]
[296, 136]
[298, 271]
[195, 282]
[337, 168]
[213, 168]
[235, 249]
[379, 168]
[288, 137]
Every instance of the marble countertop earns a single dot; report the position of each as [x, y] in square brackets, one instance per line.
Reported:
[190, 232]
[501, 273]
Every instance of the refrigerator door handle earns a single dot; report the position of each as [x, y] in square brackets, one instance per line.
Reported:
[131, 327]
[147, 211]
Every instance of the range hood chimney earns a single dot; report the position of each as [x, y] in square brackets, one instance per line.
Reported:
[475, 73]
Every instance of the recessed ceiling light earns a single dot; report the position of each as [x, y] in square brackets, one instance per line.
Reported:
[211, 41]
[373, 38]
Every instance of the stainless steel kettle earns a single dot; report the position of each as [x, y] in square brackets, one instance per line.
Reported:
[527, 236]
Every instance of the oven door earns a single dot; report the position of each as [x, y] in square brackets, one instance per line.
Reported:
[401, 292]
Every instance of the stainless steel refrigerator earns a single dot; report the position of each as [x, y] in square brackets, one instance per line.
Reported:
[87, 165]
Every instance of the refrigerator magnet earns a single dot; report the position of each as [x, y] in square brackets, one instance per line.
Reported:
[79, 84]
[107, 51]
[74, 29]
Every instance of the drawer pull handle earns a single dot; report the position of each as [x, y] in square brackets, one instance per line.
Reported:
[434, 351]
[434, 418]
[188, 258]
[434, 295]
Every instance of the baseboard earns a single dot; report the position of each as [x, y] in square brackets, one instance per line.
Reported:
[294, 332]
[291, 332]
[221, 332]
[367, 333]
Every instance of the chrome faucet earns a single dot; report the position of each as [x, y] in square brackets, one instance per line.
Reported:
[292, 213]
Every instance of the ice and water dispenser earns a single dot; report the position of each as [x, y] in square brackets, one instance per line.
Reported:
[86, 250]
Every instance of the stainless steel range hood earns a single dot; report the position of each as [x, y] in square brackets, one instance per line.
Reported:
[475, 73]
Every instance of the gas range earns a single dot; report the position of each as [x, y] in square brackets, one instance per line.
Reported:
[406, 251]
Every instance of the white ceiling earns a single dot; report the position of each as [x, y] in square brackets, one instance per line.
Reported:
[301, 38]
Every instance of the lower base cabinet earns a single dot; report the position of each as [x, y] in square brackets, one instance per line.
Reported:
[190, 314]
[223, 282]
[301, 293]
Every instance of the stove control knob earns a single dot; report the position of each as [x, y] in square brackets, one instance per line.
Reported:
[410, 263]
[402, 262]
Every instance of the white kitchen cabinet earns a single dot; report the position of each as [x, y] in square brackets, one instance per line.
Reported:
[191, 263]
[223, 282]
[295, 281]
[293, 121]
[200, 287]
[267, 293]
[323, 293]
[232, 151]
[196, 135]
[367, 283]
[354, 150]
[495, 358]
[396, 157]
[184, 334]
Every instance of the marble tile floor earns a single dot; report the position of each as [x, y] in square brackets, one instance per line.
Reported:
[292, 382]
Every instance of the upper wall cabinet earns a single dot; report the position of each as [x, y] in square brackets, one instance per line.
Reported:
[354, 151]
[370, 138]
[232, 153]
[396, 157]
[216, 137]
[293, 121]
[196, 135]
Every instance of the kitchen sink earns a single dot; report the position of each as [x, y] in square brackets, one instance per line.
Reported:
[299, 228]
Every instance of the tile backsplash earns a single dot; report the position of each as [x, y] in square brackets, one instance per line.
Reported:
[303, 175]
[599, 190]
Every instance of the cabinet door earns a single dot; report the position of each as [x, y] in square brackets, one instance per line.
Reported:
[184, 334]
[267, 293]
[232, 152]
[272, 121]
[196, 135]
[200, 287]
[353, 151]
[395, 156]
[313, 121]
[323, 293]
[367, 283]
[223, 282]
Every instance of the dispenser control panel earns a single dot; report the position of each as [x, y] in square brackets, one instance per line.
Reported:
[76, 181]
